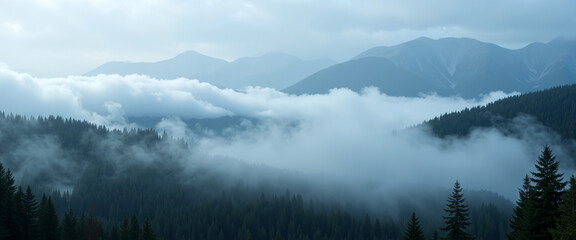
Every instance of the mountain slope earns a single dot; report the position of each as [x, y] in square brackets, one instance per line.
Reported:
[467, 67]
[361, 73]
[554, 108]
[189, 64]
[275, 70]
[111, 174]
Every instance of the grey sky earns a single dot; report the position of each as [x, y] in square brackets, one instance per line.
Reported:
[59, 37]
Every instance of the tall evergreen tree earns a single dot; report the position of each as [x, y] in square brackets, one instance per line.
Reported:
[548, 190]
[17, 215]
[414, 230]
[134, 232]
[125, 229]
[69, 226]
[566, 224]
[457, 219]
[30, 221]
[7, 205]
[147, 231]
[523, 222]
[47, 220]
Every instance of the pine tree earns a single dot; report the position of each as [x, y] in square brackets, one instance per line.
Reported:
[47, 220]
[30, 207]
[524, 218]
[566, 224]
[125, 229]
[414, 230]
[134, 232]
[69, 226]
[7, 205]
[17, 214]
[457, 219]
[548, 190]
[147, 231]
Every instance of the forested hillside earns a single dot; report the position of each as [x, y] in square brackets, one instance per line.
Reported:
[111, 174]
[554, 108]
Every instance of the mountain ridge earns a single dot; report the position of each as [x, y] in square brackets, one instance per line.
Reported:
[275, 70]
[465, 67]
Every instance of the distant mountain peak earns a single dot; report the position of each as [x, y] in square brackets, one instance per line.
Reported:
[192, 56]
[563, 41]
[465, 66]
[276, 69]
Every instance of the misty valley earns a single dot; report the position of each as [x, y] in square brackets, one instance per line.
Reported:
[429, 139]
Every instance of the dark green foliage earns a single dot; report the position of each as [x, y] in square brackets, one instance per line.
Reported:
[148, 232]
[414, 230]
[69, 226]
[487, 222]
[566, 224]
[537, 210]
[26, 220]
[456, 219]
[8, 223]
[523, 223]
[79, 144]
[554, 108]
[548, 190]
[125, 230]
[134, 232]
[47, 220]
[30, 211]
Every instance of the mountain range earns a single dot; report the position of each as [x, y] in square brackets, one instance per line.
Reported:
[275, 70]
[450, 66]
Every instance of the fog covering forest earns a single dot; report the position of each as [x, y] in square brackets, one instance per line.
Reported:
[315, 166]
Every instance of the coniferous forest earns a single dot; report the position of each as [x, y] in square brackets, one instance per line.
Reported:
[554, 108]
[98, 183]
[287, 120]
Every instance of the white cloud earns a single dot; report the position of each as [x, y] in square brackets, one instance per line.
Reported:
[356, 136]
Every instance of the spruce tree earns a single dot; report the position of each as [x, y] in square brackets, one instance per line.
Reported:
[125, 229]
[147, 231]
[566, 224]
[548, 190]
[414, 230]
[523, 221]
[134, 232]
[30, 215]
[69, 226]
[47, 220]
[7, 204]
[457, 219]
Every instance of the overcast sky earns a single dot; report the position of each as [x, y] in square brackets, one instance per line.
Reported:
[60, 37]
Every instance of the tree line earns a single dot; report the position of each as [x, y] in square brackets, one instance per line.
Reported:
[544, 210]
[554, 108]
[22, 217]
[200, 205]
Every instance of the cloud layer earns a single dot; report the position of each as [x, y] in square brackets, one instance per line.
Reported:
[65, 36]
[356, 137]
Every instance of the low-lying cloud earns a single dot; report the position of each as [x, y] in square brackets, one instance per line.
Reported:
[357, 137]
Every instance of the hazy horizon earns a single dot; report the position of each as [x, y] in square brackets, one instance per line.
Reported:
[60, 37]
